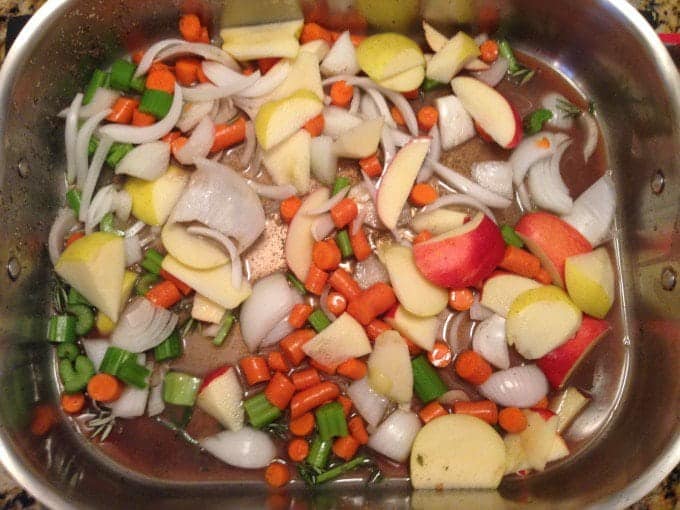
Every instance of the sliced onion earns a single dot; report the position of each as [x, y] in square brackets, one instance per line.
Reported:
[131, 403]
[394, 437]
[592, 134]
[281, 330]
[358, 222]
[559, 119]
[452, 337]
[135, 229]
[399, 138]
[246, 448]
[133, 250]
[95, 349]
[63, 223]
[593, 211]
[495, 74]
[548, 190]
[192, 113]
[323, 303]
[388, 146]
[142, 326]
[496, 176]
[471, 188]
[356, 101]
[250, 144]
[226, 111]
[147, 161]
[368, 107]
[459, 199]
[370, 271]
[122, 205]
[490, 343]
[93, 175]
[435, 152]
[103, 99]
[520, 386]
[199, 143]
[236, 265]
[381, 105]
[143, 134]
[479, 312]
[530, 150]
[455, 124]
[83, 142]
[150, 54]
[71, 136]
[338, 121]
[370, 404]
[523, 198]
[330, 203]
[208, 92]
[405, 108]
[271, 301]
[452, 396]
[207, 51]
[271, 191]
[156, 404]
[481, 38]
[322, 227]
[267, 83]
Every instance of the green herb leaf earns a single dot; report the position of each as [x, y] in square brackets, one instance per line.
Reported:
[277, 429]
[568, 108]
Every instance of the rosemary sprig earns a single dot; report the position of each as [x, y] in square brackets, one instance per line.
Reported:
[187, 327]
[102, 424]
[313, 476]
[59, 296]
[177, 430]
[277, 429]
[568, 108]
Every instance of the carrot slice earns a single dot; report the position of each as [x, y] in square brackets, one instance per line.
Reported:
[277, 474]
[289, 208]
[512, 420]
[302, 426]
[298, 449]
[72, 403]
[472, 367]
[104, 388]
[190, 27]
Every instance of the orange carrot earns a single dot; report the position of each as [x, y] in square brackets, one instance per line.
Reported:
[360, 246]
[314, 31]
[345, 447]
[315, 125]
[43, 419]
[425, 235]
[519, 261]
[472, 367]
[358, 429]
[304, 379]
[302, 426]
[177, 144]
[512, 420]
[137, 56]
[543, 143]
[336, 303]
[344, 212]
[372, 302]
[171, 136]
[72, 403]
[413, 349]
[326, 369]
[427, 117]
[122, 110]
[352, 368]
[371, 165]
[291, 346]
[164, 294]
[289, 207]
[422, 194]
[356, 39]
[279, 391]
[190, 27]
[202, 78]
[298, 315]
[431, 411]
[326, 255]
[440, 356]
[543, 277]
[181, 286]
[483, 409]
[248, 70]
[313, 397]
[298, 449]
[341, 93]
[227, 135]
[541, 404]
[397, 116]
[142, 119]
[411, 94]
[161, 79]
[461, 299]
[205, 36]
[276, 362]
[316, 280]
[74, 237]
[186, 70]
[277, 474]
[346, 404]
[104, 388]
[254, 369]
[489, 51]
[265, 64]
[343, 282]
[376, 328]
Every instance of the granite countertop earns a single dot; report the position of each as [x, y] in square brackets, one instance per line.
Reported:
[664, 15]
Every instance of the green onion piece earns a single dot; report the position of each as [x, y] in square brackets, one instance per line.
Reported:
[180, 389]
[92, 145]
[506, 51]
[107, 224]
[430, 84]
[152, 261]
[114, 359]
[330, 419]
[187, 327]
[533, 122]
[73, 200]
[138, 84]
[121, 74]
[342, 468]
[342, 238]
[75, 375]
[225, 328]
[426, 381]
[117, 152]
[319, 452]
[170, 348]
[155, 102]
[318, 320]
[340, 184]
[299, 286]
[61, 328]
[68, 350]
[76, 298]
[144, 284]
[84, 318]
[134, 374]
[99, 79]
[510, 236]
[260, 411]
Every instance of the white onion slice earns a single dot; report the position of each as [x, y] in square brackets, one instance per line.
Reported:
[249, 146]
[496, 176]
[394, 437]
[523, 198]
[83, 142]
[495, 74]
[426, 171]
[192, 113]
[368, 107]
[103, 99]
[63, 223]
[95, 349]
[381, 105]
[272, 191]
[236, 265]
[207, 51]
[593, 211]
[150, 54]
[530, 150]
[322, 227]
[490, 343]
[226, 111]
[471, 188]
[246, 448]
[131, 403]
[267, 83]
[199, 143]
[358, 222]
[452, 396]
[481, 38]
[560, 119]
[71, 136]
[144, 134]
[520, 386]
[323, 303]
[457, 344]
[370, 404]
[330, 203]
[399, 138]
[147, 161]
[208, 92]
[356, 101]
[405, 108]
[142, 326]
[156, 404]
[548, 190]
[93, 176]
[388, 146]
[459, 199]
[281, 330]
[592, 134]
[133, 250]
[135, 229]
[122, 205]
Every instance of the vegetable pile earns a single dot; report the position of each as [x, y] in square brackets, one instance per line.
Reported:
[357, 352]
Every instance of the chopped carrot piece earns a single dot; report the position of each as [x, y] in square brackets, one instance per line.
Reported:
[298, 315]
[177, 144]
[205, 36]
[541, 404]
[425, 235]
[302, 426]
[227, 135]
[202, 78]
[371, 165]
[279, 391]
[164, 294]
[137, 56]
[512, 420]
[360, 245]
[431, 411]
[314, 31]
[316, 280]
[397, 116]
[341, 93]
[72, 403]
[423, 194]
[181, 286]
[543, 277]
[277, 474]
[171, 137]
[104, 388]
[489, 51]
[353, 369]
[43, 419]
[356, 39]
[276, 362]
[483, 409]
[372, 302]
[326, 369]
[344, 212]
[291, 346]
[440, 356]
[427, 117]
[248, 70]
[343, 282]
[265, 64]
[313, 397]
[122, 110]
[161, 79]
[315, 125]
[413, 349]
[186, 71]
[461, 299]
[346, 404]
[74, 237]
[298, 449]
[543, 143]
[358, 429]
[519, 261]
[142, 119]
[303, 379]
[472, 367]
[377, 327]
[345, 447]
[255, 369]
[326, 255]
[336, 303]
[190, 27]
[289, 208]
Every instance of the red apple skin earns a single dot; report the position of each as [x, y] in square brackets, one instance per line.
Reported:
[559, 363]
[457, 261]
[546, 414]
[213, 375]
[519, 131]
[552, 240]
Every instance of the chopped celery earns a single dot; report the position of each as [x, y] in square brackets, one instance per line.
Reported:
[99, 79]
[121, 75]
[180, 389]
[330, 419]
[156, 103]
[342, 239]
[84, 318]
[61, 328]
[75, 375]
[170, 348]
[318, 320]
[340, 184]
[260, 411]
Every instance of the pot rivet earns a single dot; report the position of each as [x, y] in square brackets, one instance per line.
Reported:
[658, 182]
[13, 268]
[668, 278]
[23, 168]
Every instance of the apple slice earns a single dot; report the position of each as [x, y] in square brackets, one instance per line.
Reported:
[435, 39]
[262, 41]
[567, 405]
[492, 112]
[337, 121]
[476, 65]
[221, 396]
[450, 59]
[516, 458]
[322, 160]
[319, 48]
[344, 338]
[289, 162]
[538, 438]
[280, 119]
[462, 257]
[206, 311]
[559, 363]
[455, 124]
[541, 319]
[589, 278]
[552, 240]
[389, 368]
[398, 179]
[341, 59]
[299, 241]
[197, 252]
[385, 55]
[303, 75]
[360, 141]
[438, 221]
[406, 81]
[501, 289]
[415, 293]
[152, 201]
[422, 331]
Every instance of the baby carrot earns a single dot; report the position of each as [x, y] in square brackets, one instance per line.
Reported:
[461, 299]
[371, 165]
[343, 282]
[483, 409]
[358, 429]
[336, 303]
[372, 302]
[422, 194]
[314, 31]
[341, 93]
[292, 345]
[316, 279]
[276, 362]
[181, 286]
[327, 369]
[164, 294]
[186, 70]
[74, 237]
[313, 397]
[265, 64]
[298, 315]
[431, 411]
[177, 144]
[489, 51]
[352, 369]
[122, 110]
[304, 379]
[472, 367]
[413, 349]
[142, 119]
[227, 135]
[326, 255]
[43, 419]
[345, 447]
[512, 420]
[254, 369]
[72, 403]
[137, 57]
[104, 388]
[543, 277]
[344, 212]
[425, 235]
[427, 117]
[519, 261]
[360, 246]
[302, 426]
[190, 27]
[289, 207]
[376, 327]
[315, 125]
[298, 449]
[205, 36]
[171, 136]
[161, 79]
[397, 116]
[346, 404]
[440, 356]
[202, 78]
[277, 474]
[279, 391]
